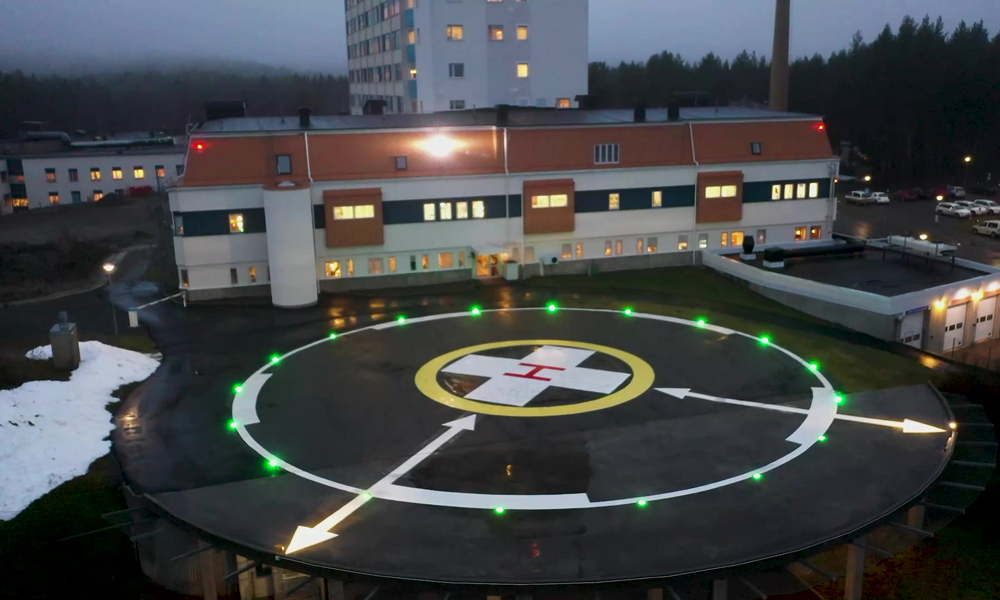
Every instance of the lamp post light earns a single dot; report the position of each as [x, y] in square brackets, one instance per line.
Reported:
[968, 161]
[109, 268]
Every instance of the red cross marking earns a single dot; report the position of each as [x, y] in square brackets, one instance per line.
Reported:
[533, 373]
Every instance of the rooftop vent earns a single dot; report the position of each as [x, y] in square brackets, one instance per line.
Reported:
[305, 117]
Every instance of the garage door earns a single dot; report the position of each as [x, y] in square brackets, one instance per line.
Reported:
[911, 329]
[985, 322]
[954, 327]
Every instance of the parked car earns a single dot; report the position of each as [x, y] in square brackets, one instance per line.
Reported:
[939, 193]
[990, 228]
[956, 191]
[880, 198]
[976, 209]
[904, 195]
[993, 207]
[952, 210]
[921, 193]
[860, 197]
[986, 190]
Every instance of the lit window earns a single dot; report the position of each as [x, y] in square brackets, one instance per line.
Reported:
[284, 164]
[639, 246]
[138, 173]
[522, 70]
[50, 175]
[606, 154]
[496, 33]
[613, 202]
[20, 203]
[461, 259]
[657, 199]
[95, 174]
[375, 266]
[702, 240]
[522, 34]
[252, 272]
[713, 191]
[579, 249]
[74, 175]
[178, 224]
[618, 247]
[445, 209]
[342, 213]
[789, 191]
[413, 73]
[814, 190]
[98, 194]
[429, 211]
[729, 191]
[558, 200]
[425, 262]
[815, 232]
[478, 209]
[411, 37]
[563, 103]
[800, 234]
[567, 251]
[800, 190]
[539, 202]
[607, 248]
[682, 242]
[364, 211]
[461, 210]
[161, 172]
[455, 32]
[776, 192]
[761, 236]
[651, 245]
[725, 239]
[184, 278]
[737, 238]
[236, 223]
[116, 172]
[53, 198]
[350, 267]
[392, 264]
[529, 254]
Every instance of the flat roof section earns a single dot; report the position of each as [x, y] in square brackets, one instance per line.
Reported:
[887, 274]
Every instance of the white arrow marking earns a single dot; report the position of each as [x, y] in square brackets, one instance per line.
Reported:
[305, 537]
[907, 425]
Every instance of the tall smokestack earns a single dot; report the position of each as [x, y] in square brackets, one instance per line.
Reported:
[779, 57]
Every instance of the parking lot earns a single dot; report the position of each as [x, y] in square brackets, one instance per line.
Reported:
[915, 218]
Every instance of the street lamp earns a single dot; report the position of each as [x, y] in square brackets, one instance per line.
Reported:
[109, 268]
[923, 237]
[968, 160]
[868, 178]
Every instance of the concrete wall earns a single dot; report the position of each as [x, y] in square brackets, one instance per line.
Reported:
[333, 286]
[883, 327]
[607, 265]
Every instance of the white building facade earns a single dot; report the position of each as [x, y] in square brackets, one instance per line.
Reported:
[433, 56]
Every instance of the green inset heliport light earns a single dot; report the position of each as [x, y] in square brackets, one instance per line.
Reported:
[641, 503]
[552, 307]
[275, 359]
[233, 425]
[628, 312]
[238, 388]
[822, 438]
[764, 340]
[366, 496]
[838, 399]
[476, 311]
[813, 366]
[701, 322]
[499, 510]
[757, 476]
[272, 464]
[333, 336]
[401, 319]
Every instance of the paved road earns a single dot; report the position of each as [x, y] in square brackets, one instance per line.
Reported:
[914, 218]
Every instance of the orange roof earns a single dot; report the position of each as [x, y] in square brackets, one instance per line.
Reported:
[717, 143]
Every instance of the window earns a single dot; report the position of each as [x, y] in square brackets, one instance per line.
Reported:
[579, 249]
[461, 259]
[74, 175]
[639, 246]
[445, 211]
[446, 260]
[401, 164]
[343, 212]
[252, 272]
[284, 164]
[613, 201]
[567, 251]
[725, 239]
[776, 192]
[682, 242]
[607, 248]
[429, 211]
[411, 36]
[19, 202]
[737, 238]
[392, 264]
[179, 169]
[413, 262]
[563, 103]
[234, 277]
[455, 32]
[529, 254]
[729, 191]
[75, 197]
[789, 191]
[375, 266]
[236, 223]
[184, 278]
[522, 33]
[606, 154]
[478, 209]
[522, 70]
[350, 267]
[120, 191]
[456, 70]
[651, 245]
[815, 232]
[456, 104]
[800, 190]
[50, 175]
[138, 173]
[95, 174]
[702, 240]
[755, 148]
[496, 33]
[814, 190]
[425, 262]
[657, 199]
[618, 247]
[3, 176]
[720, 191]
[116, 173]
[161, 173]
[178, 224]
[553, 201]
[761, 236]
[53, 197]
[461, 210]
[98, 194]
[800, 234]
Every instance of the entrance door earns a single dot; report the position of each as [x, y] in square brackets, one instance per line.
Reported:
[483, 265]
[911, 330]
[954, 327]
[984, 318]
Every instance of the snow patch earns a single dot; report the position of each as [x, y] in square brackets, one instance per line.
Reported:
[50, 431]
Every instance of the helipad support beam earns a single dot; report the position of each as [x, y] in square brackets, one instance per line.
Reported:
[206, 570]
[720, 589]
[855, 570]
[915, 517]
[654, 594]
[334, 589]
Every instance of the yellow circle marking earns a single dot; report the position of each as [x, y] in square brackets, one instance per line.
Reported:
[426, 380]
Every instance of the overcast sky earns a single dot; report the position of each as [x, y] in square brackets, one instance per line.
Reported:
[309, 34]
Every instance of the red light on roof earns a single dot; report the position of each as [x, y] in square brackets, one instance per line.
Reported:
[199, 146]
[820, 126]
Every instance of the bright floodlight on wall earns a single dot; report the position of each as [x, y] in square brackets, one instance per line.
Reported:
[923, 237]
[439, 146]
[108, 267]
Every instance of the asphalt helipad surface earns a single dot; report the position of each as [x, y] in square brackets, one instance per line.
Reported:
[534, 446]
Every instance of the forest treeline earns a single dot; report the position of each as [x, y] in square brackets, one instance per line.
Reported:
[914, 101]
